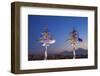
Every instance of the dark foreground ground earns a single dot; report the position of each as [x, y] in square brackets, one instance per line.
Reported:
[80, 53]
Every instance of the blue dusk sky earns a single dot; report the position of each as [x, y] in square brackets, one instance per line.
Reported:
[60, 28]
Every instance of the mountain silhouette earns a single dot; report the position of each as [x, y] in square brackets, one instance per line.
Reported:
[80, 53]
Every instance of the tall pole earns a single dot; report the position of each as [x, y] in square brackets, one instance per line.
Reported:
[45, 53]
[74, 54]
[74, 39]
[46, 41]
